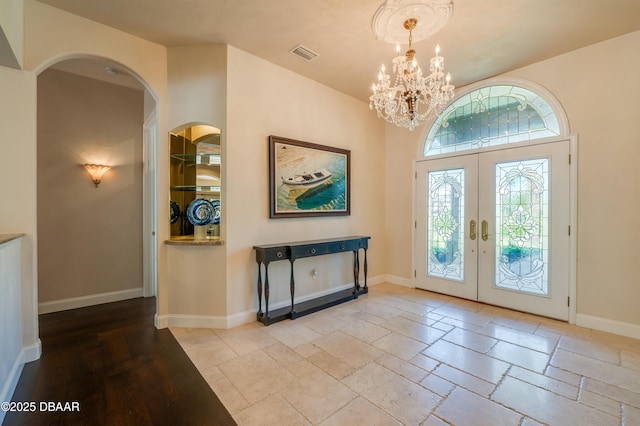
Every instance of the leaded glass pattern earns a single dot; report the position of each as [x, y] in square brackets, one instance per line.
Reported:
[445, 234]
[491, 116]
[522, 231]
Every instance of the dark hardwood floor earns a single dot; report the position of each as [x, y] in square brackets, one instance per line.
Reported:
[120, 369]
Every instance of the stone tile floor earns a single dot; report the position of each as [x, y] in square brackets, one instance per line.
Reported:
[411, 357]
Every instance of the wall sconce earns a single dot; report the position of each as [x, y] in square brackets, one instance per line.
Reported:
[97, 171]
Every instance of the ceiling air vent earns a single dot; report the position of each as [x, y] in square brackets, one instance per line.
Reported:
[304, 52]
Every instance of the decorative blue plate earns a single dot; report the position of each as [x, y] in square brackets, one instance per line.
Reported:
[200, 212]
[175, 211]
[216, 210]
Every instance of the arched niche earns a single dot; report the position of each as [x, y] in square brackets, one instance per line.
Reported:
[195, 183]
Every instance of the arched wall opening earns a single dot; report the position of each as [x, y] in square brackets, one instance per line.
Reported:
[494, 155]
[98, 244]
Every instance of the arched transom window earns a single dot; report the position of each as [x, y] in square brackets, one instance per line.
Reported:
[489, 116]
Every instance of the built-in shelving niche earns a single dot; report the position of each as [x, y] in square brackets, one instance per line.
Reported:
[195, 157]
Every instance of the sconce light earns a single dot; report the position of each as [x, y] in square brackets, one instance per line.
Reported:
[96, 171]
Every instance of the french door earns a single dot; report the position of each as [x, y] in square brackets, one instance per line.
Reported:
[494, 227]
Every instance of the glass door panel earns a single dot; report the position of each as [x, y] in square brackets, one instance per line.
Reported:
[522, 215]
[524, 198]
[446, 244]
[494, 226]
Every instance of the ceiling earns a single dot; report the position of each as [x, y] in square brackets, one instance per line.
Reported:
[482, 39]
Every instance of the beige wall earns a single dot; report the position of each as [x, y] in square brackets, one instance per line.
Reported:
[197, 287]
[284, 104]
[400, 156]
[11, 33]
[89, 239]
[197, 94]
[599, 97]
[264, 99]
[18, 182]
[197, 86]
[52, 35]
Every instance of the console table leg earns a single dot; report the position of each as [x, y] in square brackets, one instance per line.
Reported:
[356, 269]
[259, 291]
[266, 291]
[292, 287]
[365, 269]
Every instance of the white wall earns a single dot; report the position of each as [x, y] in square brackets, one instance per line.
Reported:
[10, 319]
[599, 97]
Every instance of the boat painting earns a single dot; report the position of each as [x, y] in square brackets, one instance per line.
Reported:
[307, 180]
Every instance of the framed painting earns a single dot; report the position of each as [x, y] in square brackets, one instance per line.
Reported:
[307, 179]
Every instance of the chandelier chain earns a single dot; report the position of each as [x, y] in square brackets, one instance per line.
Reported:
[410, 37]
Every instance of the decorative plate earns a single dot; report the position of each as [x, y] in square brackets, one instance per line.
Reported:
[200, 212]
[174, 212]
[216, 211]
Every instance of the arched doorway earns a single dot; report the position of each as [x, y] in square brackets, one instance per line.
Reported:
[97, 244]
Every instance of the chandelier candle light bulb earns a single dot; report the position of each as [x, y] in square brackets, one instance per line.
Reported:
[413, 98]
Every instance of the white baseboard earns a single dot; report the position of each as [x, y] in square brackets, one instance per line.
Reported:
[284, 303]
[235, 320]
[160, 321]
[609, 325]
[27, 354]
[370, 282]
[90, 300]
[191, 321]
[10, 385]
[31, 352]
[375, 280]
[394, 279]
[204, 321]
[241, 318]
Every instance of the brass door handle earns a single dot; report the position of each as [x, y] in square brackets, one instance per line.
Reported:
[472, 230]
[485, 230]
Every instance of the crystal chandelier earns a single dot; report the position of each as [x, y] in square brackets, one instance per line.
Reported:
[413, 98]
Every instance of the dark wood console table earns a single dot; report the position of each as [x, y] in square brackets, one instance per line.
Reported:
[297, 250]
